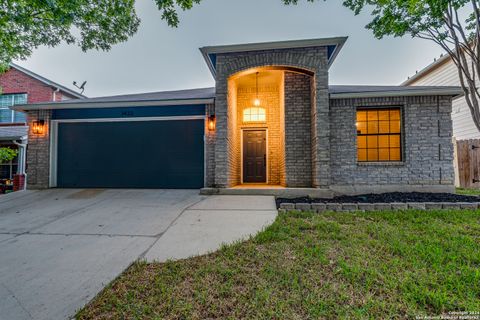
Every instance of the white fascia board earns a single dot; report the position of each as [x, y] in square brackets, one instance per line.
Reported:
[109, 104]
[379, 94]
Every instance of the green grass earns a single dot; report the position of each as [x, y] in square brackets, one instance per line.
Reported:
[308, 266]
[468, 192]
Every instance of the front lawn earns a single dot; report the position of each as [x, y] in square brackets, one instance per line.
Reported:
[309, 266]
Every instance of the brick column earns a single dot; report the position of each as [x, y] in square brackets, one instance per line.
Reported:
[210, 137]
[221, 142]
[38, 151]
[321, 130]
[298, 130]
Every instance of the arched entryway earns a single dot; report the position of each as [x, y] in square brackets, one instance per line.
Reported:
[269, 127]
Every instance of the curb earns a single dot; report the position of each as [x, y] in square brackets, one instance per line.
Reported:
[345, 207]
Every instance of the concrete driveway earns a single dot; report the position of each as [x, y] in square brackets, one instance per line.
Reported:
[59, 248]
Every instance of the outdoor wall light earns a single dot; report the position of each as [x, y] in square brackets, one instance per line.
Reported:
[38, 126]
[211, 123]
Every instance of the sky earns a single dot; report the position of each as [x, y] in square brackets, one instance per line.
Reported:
[160, 58]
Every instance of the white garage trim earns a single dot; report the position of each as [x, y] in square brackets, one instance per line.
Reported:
[54, 137]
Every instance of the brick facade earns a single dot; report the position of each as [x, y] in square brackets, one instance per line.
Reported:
[15, 81]
[38, 147]
[298, 130]
[311, 136]
[209, 148]
[309, 60]
[427, 146]
[38, 151]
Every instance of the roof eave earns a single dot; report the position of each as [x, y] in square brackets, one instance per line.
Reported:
[110, 104]
[380, 94]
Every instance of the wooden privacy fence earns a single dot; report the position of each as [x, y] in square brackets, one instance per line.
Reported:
[468, 163]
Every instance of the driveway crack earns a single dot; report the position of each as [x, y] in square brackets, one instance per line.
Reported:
[18, 301]
[159, 235]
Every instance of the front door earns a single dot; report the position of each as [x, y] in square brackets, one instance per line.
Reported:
[254, 156]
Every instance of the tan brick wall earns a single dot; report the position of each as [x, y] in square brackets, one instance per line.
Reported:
[282, 163]
[233, 137]
[269, 96]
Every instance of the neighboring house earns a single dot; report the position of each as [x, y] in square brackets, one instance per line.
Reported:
[21, 86]
[443, 72]
[271, 125]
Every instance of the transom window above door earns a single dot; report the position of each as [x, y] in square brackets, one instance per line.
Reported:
[254, 114]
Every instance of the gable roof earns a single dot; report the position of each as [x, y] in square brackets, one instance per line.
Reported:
[334, 45]
[47, 81]
[431, 67]
[207, 96]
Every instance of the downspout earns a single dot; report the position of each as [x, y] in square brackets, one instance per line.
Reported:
[21, 159]
[55, 94]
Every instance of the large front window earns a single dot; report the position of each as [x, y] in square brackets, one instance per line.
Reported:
[379, 134]
[8, 100]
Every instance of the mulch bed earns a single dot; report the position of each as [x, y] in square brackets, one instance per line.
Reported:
[386, 198]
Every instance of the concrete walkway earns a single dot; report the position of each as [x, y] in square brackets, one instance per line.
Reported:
[59, 248]
[205, 226]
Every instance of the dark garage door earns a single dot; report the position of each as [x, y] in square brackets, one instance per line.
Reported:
[131, 154]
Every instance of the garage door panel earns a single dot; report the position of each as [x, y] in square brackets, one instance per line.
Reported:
[131, 154]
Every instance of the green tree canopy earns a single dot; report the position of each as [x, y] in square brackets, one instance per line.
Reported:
[91, 24]
[454, 25]
[99, 24]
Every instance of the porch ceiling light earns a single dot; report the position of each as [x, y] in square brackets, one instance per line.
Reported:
[256, 102]
[38, 126]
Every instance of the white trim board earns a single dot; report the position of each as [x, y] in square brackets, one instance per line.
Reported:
[398, 93]
[132, 119]
[109, 104]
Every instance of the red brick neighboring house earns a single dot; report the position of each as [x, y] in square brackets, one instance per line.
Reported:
[19, 86]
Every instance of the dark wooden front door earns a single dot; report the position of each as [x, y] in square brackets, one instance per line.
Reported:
[254, 156]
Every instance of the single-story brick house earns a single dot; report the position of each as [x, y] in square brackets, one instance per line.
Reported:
[272, 123]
